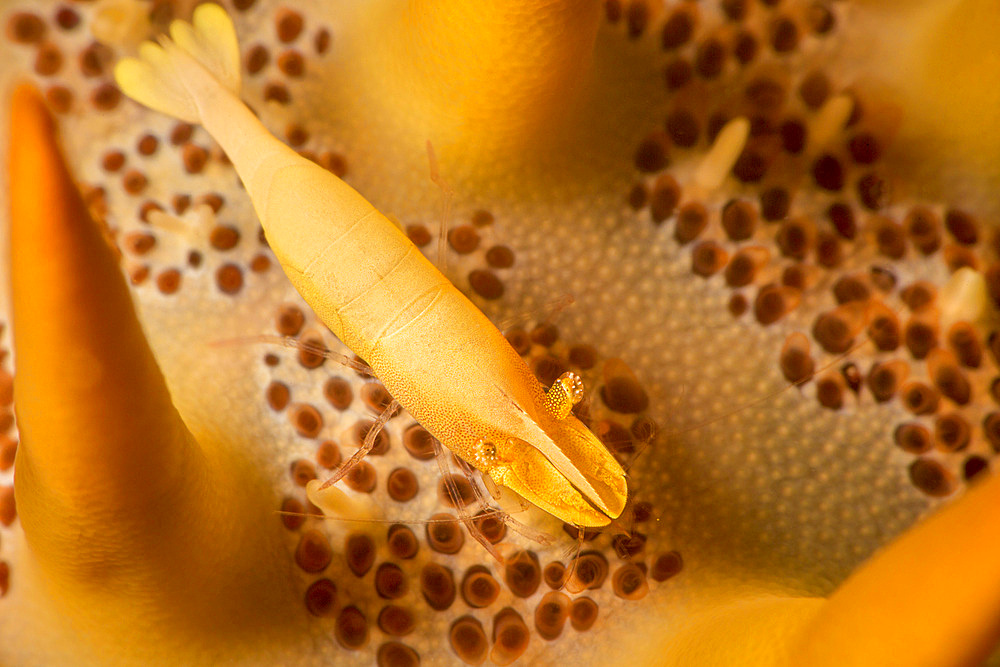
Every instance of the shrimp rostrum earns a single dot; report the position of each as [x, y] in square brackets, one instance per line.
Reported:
[433, 349]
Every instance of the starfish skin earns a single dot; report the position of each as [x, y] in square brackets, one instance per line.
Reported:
[187, 554]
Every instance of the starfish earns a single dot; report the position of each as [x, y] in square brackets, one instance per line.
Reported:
[782, 314]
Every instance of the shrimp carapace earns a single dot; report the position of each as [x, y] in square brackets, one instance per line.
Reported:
[431, 347]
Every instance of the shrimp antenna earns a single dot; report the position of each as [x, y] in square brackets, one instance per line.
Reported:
[447, 195]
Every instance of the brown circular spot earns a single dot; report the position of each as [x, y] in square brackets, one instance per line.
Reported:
[961, 226]
[636, 19]
[105, 97]
[468, 640]
[338, 393]
[951, 432]
[774, 302]
[884, 331]
[138, 243]
[351, 629]
[775, 203]
[796, 363]
[291, 63]
[257, 58]
[419, 442]
[321, 597]
[948, 377]
[930, 477]
[490, 526]
[402, 485]
[667, 565]
[396, 621]
[919, 398]
[479, 588]
[623, 393]
[510, 637]
[677, 73]
[322, 41]
[920, 337]
[548, 368]
[260, 263]
[784, 34]
[918, 295]
[872, 192]
[361, 430]
[60, 98]
[913, 437]
[8, 507]
[312, 350]
[359, 552]
[793, 136]
[583, 614]
[376, 397]
[229, 278]
[829, 253]
[147, 145]
[708, 258]
[25, 28]
[481, 218]
[456, 490]
[8, 450]
[277, 394]
[225, 237]
[243, 5]
[500, 257]
[710, 58]
[739, 219]
[395, 654]
[402, 541]
[313, 553]
[112, 161]
[629, 582]
[444, 534]
[677, 29]
[437, 586]
[288, 24]
[168, 281]
[296, 135]
[48, 60]
[682, 127]
[302, 472]
[885, 378]
[67, 18]
[737, 305]
[306, 419]
[134, 181]
[651, 154]
[586, 571]
[390, 582]
[328, 454]
[277, 92]
[180, 203]
[463, 239]
[362, 477]
[745, 47]
[4, 578]
[836, 329]
[554, 574]
[582, 356]
[519, 340]
[194, 158]
[523, 574]
[486, 284]
[551, 614]
[973, 467]
[665, 197]
[293, 513]
[795, 238]
[628, 545]
[814, 89]
[692, 218]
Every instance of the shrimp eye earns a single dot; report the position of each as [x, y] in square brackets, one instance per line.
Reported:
[564, 393]
[485, 454]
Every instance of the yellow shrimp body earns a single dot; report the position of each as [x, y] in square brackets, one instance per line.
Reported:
[434, 351]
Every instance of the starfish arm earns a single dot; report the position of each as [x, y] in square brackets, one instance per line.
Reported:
[516, 68]
[131, 524]
[933, 595]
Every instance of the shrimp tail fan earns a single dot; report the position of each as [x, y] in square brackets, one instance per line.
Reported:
[184, 71]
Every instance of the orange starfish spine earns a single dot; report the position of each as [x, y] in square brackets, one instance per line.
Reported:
[126, 515]
[512, 69]
[932, 597]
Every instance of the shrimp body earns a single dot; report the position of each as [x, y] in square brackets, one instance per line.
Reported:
[438, 355]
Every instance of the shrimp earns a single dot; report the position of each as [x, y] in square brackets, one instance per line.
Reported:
[433, 349]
